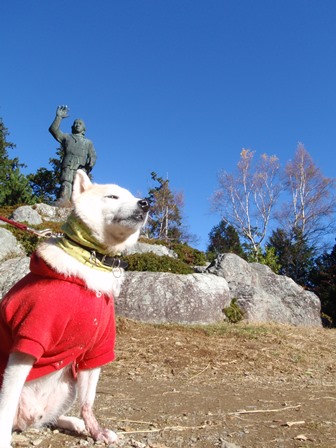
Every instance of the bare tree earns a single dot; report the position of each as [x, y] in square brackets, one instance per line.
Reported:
[312, 198]
[246, 200]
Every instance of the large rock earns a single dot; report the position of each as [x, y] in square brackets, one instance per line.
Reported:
[11, 271]
[162, 297]
[157, 249]
[26, 214]
[265, 296]
[9, 246]
[52, 213]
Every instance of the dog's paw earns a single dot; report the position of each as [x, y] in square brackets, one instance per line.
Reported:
[106, 435]
[71, 423]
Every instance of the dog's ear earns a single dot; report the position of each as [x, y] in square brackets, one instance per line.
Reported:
[81, 183]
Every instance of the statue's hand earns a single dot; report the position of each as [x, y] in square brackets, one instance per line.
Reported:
[62, 111]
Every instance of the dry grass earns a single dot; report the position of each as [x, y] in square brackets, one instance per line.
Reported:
[269, 349]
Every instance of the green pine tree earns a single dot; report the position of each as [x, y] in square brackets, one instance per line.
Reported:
[224, 238]
[14, 186]
[164, 221]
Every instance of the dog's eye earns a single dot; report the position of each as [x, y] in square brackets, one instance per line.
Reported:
[112, 196]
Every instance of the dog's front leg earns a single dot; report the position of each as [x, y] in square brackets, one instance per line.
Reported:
[18, 367]
[87, 384]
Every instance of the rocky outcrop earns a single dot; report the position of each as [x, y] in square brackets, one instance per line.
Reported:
[195, 298]
[200, 298]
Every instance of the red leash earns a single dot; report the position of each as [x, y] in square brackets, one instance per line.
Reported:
[40, 233]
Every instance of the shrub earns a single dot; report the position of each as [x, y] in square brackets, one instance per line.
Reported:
[233, 312]
[27, 240]
[187, 254]
[154, 263]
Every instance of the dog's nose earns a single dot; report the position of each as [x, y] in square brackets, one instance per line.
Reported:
[144, 205]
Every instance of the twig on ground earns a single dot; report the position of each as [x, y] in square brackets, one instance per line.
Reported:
[199, 373]
[260, 411]
[115, 419]
[166, 428]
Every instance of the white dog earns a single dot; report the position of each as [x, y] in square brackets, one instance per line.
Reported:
[57, 324]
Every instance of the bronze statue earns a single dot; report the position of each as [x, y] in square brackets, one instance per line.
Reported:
[79, 151]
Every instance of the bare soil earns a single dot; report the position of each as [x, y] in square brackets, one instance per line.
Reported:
[225, 386]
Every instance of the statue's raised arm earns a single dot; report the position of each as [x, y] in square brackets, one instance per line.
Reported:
[61, 112]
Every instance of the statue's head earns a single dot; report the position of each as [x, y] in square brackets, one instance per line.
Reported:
[78, 127]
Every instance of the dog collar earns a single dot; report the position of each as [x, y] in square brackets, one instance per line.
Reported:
[106, 260]
[90, 255]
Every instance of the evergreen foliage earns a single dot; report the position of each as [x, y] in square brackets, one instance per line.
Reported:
[224, 238]
[14, 186]
[164, 221]
[189, 255]
[294, 254]
[46, 183]
[267, 257]
[323, 283]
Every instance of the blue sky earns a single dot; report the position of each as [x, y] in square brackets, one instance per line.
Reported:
[178, 87]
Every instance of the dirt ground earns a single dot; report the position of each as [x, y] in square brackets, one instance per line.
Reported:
[225, 386]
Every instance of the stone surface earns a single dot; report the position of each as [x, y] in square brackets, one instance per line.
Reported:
[162, 297]
[52, 213]
[26, 214]
[265, 296]
[157, 249]
[9, 246]
[11, 271]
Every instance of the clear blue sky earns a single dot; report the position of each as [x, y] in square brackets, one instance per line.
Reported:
[178, 87]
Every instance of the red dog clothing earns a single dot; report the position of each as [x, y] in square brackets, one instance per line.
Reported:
[57, 320]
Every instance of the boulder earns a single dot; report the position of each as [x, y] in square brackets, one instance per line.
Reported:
[52, 213]
[157, 249]
[26, 214]
[9, 246]
[265, 296]
[11, 271]
[159, 297]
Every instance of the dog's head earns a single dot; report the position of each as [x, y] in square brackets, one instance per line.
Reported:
[112, 213]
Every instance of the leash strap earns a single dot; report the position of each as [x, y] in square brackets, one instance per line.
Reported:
[40, 233]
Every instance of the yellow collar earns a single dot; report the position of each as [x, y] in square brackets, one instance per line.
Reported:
[81, 245]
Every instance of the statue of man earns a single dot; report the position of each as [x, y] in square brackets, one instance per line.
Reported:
[79, 151]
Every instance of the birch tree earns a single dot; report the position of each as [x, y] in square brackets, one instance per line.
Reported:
[310, 210]
[246, 199]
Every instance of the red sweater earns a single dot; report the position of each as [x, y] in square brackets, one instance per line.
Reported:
[57, 320]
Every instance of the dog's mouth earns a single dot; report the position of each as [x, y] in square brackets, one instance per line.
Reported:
[139, 216]
[136, 217]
